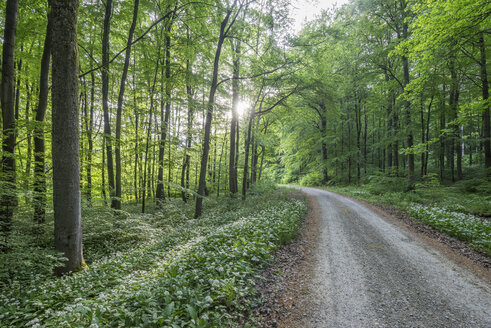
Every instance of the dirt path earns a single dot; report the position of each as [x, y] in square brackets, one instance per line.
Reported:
[363, 270]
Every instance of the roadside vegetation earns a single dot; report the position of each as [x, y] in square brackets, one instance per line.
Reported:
[461, 210]
[152, 270]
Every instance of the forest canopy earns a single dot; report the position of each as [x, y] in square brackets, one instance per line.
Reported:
[140, 102]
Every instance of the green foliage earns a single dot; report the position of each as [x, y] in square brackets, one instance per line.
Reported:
[311, 179]
[452, 210]
[462, 226]
[430, 180]
[162, 269]
[476, 185]
[381, 183]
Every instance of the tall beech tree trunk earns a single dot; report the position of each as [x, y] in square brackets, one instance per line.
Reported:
[90, 142]
[428, 136]
[232, 165]
[224, 145]
[189, 128]
[105, 102]
[160, 194]
[263, 150]
[485, 96]
[254, 151]
[453, 140]
[209, 112]
[150, 115]
[247, 144]
[454, 102]
[325, 176]
[358, 136]
[39, 197]
[29, 142]
[137, 121]
[407, 108]
[7, 97]
[443, 140]
[117, 145]
[65, 145]
[389, 126]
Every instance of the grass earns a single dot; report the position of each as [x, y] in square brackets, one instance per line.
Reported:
[153, 270]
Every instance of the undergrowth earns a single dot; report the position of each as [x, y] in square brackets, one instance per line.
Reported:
[462, 210]
[153, 270]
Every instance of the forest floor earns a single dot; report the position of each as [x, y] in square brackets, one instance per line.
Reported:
[356, 264]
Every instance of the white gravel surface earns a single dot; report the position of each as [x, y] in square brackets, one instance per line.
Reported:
[370, 272]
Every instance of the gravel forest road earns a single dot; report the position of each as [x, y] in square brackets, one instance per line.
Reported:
[371, 272]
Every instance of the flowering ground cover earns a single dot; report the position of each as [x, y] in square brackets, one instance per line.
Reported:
[161, 269]
[451, 210]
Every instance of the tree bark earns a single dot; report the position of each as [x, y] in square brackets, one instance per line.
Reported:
[246, 151]
[160, 195]
[407, 107]
[442, 138]
[105, 102]
[117, 200]
[143, 186]
[8, 199]
[485, 95]
[232, 165]
[39, 200]
[189, 136]
[209, 114]
[224, 145]
[325, 176]
[65, 145]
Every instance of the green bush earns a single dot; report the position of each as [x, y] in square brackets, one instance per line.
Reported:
[475, 185]
[380, 184]
[312, 179]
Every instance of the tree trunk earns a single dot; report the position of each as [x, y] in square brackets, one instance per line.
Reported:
[224, 145]
[65, 145]
[422, 121]
[254, 152]
[103, 173]
[8, 198]
[443, 140]
[389, 128]
[263, 150]
[29, 143]
[246, 151]
[117, 200]
[232, 165]
[407, 107]
[358, 134]
[105, 102]
[365, 127]
[189, 127]
[39, 200]
[209, 115]
[454, 137]
[485, 96]
[137, 121]
[325, 176]
[143, 186]
[454, 94]
[164, 119]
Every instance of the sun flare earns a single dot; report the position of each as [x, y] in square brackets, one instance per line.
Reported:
[242, 107]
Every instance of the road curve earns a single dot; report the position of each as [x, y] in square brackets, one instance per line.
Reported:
[370, 272]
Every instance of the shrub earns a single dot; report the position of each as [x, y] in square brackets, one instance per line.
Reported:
[380, 184]
[312, 179]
